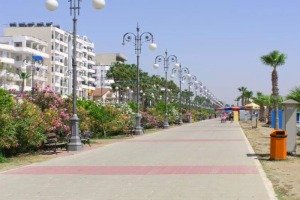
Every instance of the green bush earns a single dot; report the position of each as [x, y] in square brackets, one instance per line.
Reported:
[133, 106]
[2, 158]
[6, 101]
[105, 120]
[30, 126]
[8, 138]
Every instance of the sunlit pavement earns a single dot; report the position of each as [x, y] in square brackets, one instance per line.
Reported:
[205, 160]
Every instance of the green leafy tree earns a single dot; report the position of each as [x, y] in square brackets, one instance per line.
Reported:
[200, 101]
[274, 59]
[186, 95]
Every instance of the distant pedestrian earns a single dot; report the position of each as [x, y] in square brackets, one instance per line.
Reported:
[231, 117]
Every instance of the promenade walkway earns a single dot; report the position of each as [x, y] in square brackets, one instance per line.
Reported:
[205, 160]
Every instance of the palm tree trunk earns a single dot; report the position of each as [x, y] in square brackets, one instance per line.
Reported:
[275, 94]
[261, 113]
[23, 86]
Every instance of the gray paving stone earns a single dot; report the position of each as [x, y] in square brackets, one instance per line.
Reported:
[206, 143]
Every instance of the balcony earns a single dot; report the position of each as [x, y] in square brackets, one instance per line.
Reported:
[27, 50]
[91, 71]
[92, 79]
[7, 60]
[58, 74]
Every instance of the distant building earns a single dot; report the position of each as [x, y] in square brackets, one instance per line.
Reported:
[103, 64]
[60, 62]
[104, 95]
[15, 56]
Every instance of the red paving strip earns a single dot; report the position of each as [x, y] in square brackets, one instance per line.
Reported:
[189, 140]
[132, 170]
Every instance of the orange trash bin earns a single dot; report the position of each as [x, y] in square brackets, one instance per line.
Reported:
[278, 145]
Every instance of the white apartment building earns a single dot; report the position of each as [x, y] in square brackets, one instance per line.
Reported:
[103, 63]
[60, 62]
[16, 57]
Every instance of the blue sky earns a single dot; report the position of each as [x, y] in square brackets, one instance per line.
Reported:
[220, 41]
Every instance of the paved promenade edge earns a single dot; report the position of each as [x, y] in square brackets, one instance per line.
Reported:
[267, 183]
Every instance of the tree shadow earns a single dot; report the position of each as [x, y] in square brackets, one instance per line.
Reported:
[260, 156]
[266, 156]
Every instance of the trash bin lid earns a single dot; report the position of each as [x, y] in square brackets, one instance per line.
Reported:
[278, 134]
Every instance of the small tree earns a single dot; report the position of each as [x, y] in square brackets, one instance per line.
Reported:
[23, 76]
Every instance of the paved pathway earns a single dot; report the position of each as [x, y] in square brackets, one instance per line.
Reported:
[205, 160]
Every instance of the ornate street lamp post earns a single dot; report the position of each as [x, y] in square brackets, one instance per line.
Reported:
[166, 60]
[138, 39]
[190, 81]
[180, 72]
[75, 141]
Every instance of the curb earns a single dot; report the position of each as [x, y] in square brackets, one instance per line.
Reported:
[268, 184]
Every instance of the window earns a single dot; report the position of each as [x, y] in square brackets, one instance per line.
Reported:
[18, 58]
[18, 44]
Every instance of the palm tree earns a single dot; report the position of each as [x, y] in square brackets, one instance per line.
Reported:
[294, 94]
[247, 96]
[274, 59]
[23, 76]
[242, 97]
[237, 100]
[262, 100]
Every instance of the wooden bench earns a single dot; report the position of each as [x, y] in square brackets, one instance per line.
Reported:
[131, 132]
[86, 137]
[53, 143]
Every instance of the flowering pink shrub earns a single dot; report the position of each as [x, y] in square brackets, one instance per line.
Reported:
[149, 120]
[56, 110]
[47, 98]
[57, 121]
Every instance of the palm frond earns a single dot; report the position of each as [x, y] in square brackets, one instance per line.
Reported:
[294, 94]
[274, 59]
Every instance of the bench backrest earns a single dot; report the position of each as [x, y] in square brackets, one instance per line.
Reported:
[51, 138]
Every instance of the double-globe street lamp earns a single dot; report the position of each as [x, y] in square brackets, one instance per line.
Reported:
[138, 39]
[166, 60]
[75, 141]
[180, 71]
[190, 81]
[197, 86]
